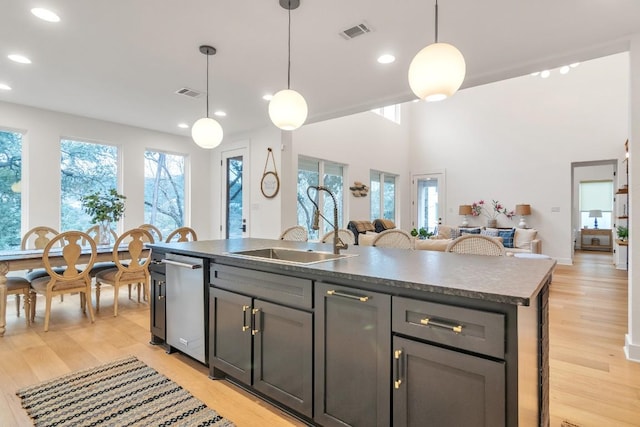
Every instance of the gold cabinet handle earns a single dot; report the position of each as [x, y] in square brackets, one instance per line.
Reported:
[455, 328]
[344, 295]
[396, 367]
[244, 318]
[255, 329]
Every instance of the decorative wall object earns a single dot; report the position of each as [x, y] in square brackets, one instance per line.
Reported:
[359, 189]
[270, 184]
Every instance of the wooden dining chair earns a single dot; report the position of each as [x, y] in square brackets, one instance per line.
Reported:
[155, 231]
[134, 271]
[296, 233]
[182, 234]
[74, 279]
[94, 233]
[20, 287]
[37, 238]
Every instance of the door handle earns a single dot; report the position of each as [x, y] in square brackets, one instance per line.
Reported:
[244, 228]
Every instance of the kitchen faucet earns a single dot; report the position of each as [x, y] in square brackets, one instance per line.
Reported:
[337, 241]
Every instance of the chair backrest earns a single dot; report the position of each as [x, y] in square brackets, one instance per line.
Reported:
[94, 233]
[137, 259]
[394, 238]
[154, 231]
[345, 235]
[296, 233]
[182, 234]
[70, 243]
[476, 244]
[38, 237]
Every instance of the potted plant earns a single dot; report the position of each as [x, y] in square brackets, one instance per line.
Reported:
[421, 234]
[492, 213]
[623, 233]
[104, 208]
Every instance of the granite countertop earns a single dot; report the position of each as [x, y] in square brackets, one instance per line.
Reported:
[506, 280]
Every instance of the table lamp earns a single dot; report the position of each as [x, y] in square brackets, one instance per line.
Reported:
[595, 214]
[523, 210]
[464, 210]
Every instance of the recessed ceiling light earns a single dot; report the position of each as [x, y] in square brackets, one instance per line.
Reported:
[267, 97]
[574, 65]
[4, 86]
[19, 58]
[535, 73]
[564, 69]
[220, 114]
[183, 126]
[545, 74]
[45, 14]
[386, 58]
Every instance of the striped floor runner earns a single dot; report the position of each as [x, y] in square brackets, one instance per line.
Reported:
[122, 393]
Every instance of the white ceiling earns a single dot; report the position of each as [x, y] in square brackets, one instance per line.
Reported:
[122, 60]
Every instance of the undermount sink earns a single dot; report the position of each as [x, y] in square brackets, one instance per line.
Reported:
[290, 256]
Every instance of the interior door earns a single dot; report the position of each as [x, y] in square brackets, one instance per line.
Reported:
[428, 200]
[235, 194]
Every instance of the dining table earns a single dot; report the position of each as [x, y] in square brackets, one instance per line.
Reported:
[18, 260]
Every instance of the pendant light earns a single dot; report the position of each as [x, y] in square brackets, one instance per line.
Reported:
[206, 132]
[287, 108]
[437, 71]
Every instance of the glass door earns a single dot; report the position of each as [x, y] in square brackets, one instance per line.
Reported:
[235, 195]
[428, 201]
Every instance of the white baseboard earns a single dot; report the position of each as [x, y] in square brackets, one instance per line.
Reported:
[631, 351]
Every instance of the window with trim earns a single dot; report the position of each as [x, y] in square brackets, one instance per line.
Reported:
[164, 190]
[383, 195]
[596, 198]
[10, 189]
[86, 167]
[390, 112]
[319, 173]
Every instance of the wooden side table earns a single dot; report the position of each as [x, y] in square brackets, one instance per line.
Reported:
[596, 239]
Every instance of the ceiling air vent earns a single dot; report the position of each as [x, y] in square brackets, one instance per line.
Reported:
[355, 31]
[189, 92]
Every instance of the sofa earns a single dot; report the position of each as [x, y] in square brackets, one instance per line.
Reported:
[369, 228]
[515, 240]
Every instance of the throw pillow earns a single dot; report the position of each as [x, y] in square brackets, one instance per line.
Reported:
[470, 231]
[443, 231]
[432, 245]
[491, 232]
[523, 238]
[454, 233]
[507, 237]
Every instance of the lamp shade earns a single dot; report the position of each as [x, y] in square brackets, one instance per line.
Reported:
[437, 72]
[207, 133]
[464, 210]
[595, 213]
[523, 210]
[288, 109]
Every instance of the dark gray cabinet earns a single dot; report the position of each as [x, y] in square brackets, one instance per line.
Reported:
[434, 386]
[157, 301]
[264, 344]
[352, 362]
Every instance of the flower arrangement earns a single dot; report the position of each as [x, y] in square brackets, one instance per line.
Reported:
[493, 212]
[102, 207]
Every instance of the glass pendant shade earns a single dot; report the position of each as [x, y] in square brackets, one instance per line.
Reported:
[288, 109]
[437, 72]
[207, 133]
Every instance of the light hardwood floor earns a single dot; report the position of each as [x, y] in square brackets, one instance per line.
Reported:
[592, 384]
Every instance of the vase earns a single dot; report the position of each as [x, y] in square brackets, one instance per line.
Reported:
[104, 233]
[492, 223]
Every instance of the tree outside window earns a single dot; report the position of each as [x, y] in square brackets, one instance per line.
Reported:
[86, 168]
[10, 189]
[164, 184]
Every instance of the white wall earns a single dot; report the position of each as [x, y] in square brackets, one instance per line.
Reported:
[515, 140]
[43, 130]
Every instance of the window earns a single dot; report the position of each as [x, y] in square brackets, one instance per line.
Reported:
[10, 189]
[86, 167]
[330, 175]
[596, 196]
[383, 196]
[164, 183]
[390, 112]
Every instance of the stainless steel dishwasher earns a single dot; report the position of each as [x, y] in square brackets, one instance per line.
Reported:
[185, 296]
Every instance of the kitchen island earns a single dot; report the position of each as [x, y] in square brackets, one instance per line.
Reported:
[383, 337]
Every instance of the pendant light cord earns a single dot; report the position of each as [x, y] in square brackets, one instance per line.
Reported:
[436, 21]
[289, 51]
[207, 55]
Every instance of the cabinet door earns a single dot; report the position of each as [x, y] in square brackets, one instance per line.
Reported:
[353, 369]
[283, 355]
[158, 307]
[438, 387]
[230, 334]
